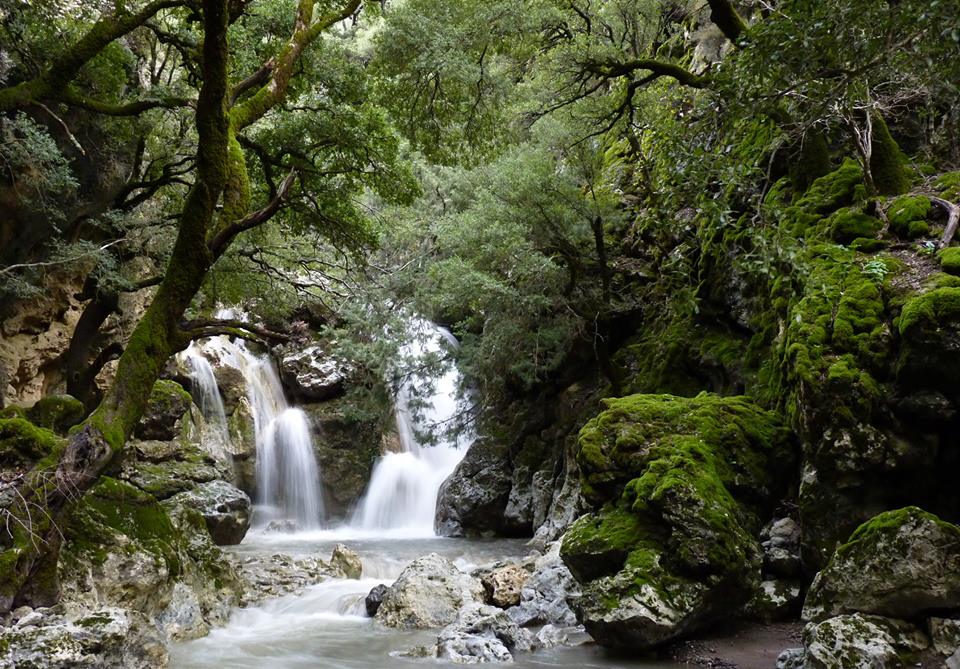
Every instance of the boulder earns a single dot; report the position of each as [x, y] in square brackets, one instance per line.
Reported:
[473, 498]
[678, 484]
[225, 509]
[374, 598]
[502, 585]
[272, 576]
[945, 633]
[346, 562]
[901, 564]
[429, 592]
[860, 642]
[311, 374]
[106, 638]
[780, 541]
[167, 468]
[161, 419]
[483, 634]
[543, 597]
[57, 412]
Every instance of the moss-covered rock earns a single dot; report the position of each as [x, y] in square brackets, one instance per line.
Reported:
[950, 260]
[680, 483]
[908, 216]
[852, 223]
[948, 185]
[887, 162]
[56, 412]
[901, 564]
[834, 190]
[161, 419]
[929, 326]
[22, 444]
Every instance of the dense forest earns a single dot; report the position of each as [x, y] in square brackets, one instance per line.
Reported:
[582, 332]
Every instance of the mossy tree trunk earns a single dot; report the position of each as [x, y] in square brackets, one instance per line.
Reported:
[29, 548]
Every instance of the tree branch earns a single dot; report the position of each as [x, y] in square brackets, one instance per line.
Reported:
[731, 24]
[221, 240]
[201, 329]
[953, 220]
[657, 68]
[75, 99]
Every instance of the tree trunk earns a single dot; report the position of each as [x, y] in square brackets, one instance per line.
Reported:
[48, 493]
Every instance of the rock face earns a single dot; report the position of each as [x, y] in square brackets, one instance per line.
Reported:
[679, 481]
[543, 597]
[106, 638]
[224, 507]
[483, 634]
[474, 496]
[161, 419]
[312, 374]
[346, 562]
[429, 592]
[902, 564]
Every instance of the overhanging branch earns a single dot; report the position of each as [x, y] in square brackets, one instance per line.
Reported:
[221, 240]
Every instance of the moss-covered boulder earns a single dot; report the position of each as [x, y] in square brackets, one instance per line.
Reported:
[22, 443]
[901, 564]
[861, 642]
[166, 468]
[929, 326]
[161, 419]
[834, 190]
[56, 412]
[680, 484]
[852, 223]
[908, 216]
[950, 260]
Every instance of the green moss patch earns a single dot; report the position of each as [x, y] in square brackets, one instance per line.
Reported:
[950, 261]
[23, 444]
[852, 223]
[908, 216]
[835, 190]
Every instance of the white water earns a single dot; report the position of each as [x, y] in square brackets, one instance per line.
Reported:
[217, 439]
[288, 479]
[401, 498]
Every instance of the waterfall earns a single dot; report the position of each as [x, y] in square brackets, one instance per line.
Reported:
[402, 494]
[217, 438]
[287, 475]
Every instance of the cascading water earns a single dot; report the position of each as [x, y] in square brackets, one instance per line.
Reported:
[217, 439]
[402, 494]
[288, 479]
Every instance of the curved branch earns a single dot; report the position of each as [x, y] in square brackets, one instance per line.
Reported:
[657, 69]
[201, 329]
[52, 82]
[221, 240]
[128, 109]
[953, 220]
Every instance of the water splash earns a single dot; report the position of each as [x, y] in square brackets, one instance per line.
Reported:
[402, 494]
[287, 475]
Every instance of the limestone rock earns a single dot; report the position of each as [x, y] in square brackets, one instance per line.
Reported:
[311, 374]
[900, 564]
[860, 642]
[271, 576]
[543, 597]
[945, 633]
[502, 586]
[483, 634]
[429, 592]
[473, 498]
[225, 508]
[346, 562]
[106, 638]
[780, 541]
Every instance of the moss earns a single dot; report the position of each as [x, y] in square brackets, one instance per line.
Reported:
[888, 523]
[906, 214]
[930, 309]
[865, 245]
[948, 185]
[887, 164]
[23, 444]
[812, 162]
[835, 190]
[57, 412]
[851, 223]
[13, 412]
[950, 260]
[599, 544]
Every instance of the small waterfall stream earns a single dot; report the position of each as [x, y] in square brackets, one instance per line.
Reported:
[402, 495]
[207, 394]
[288, 478]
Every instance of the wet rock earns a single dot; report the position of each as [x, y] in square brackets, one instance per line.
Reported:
[374, 598]
[283, 526]
[270, 576]
[483, 634]
[473, 498]
[543, 597]
[860, 642]
[776, 599]
[945, 633]
[225, 508]
[901, 564]
[429, 592]
[161, 419]
[107, 638]
[502, 586]
[346, 562]
[311, 374]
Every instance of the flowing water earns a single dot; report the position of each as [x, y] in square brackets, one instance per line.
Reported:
[207, 395]
[401, 498]
[325, 627]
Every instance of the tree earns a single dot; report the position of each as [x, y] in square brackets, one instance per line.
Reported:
[218, 208]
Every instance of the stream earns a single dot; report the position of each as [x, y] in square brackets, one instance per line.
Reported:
[326, 626]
